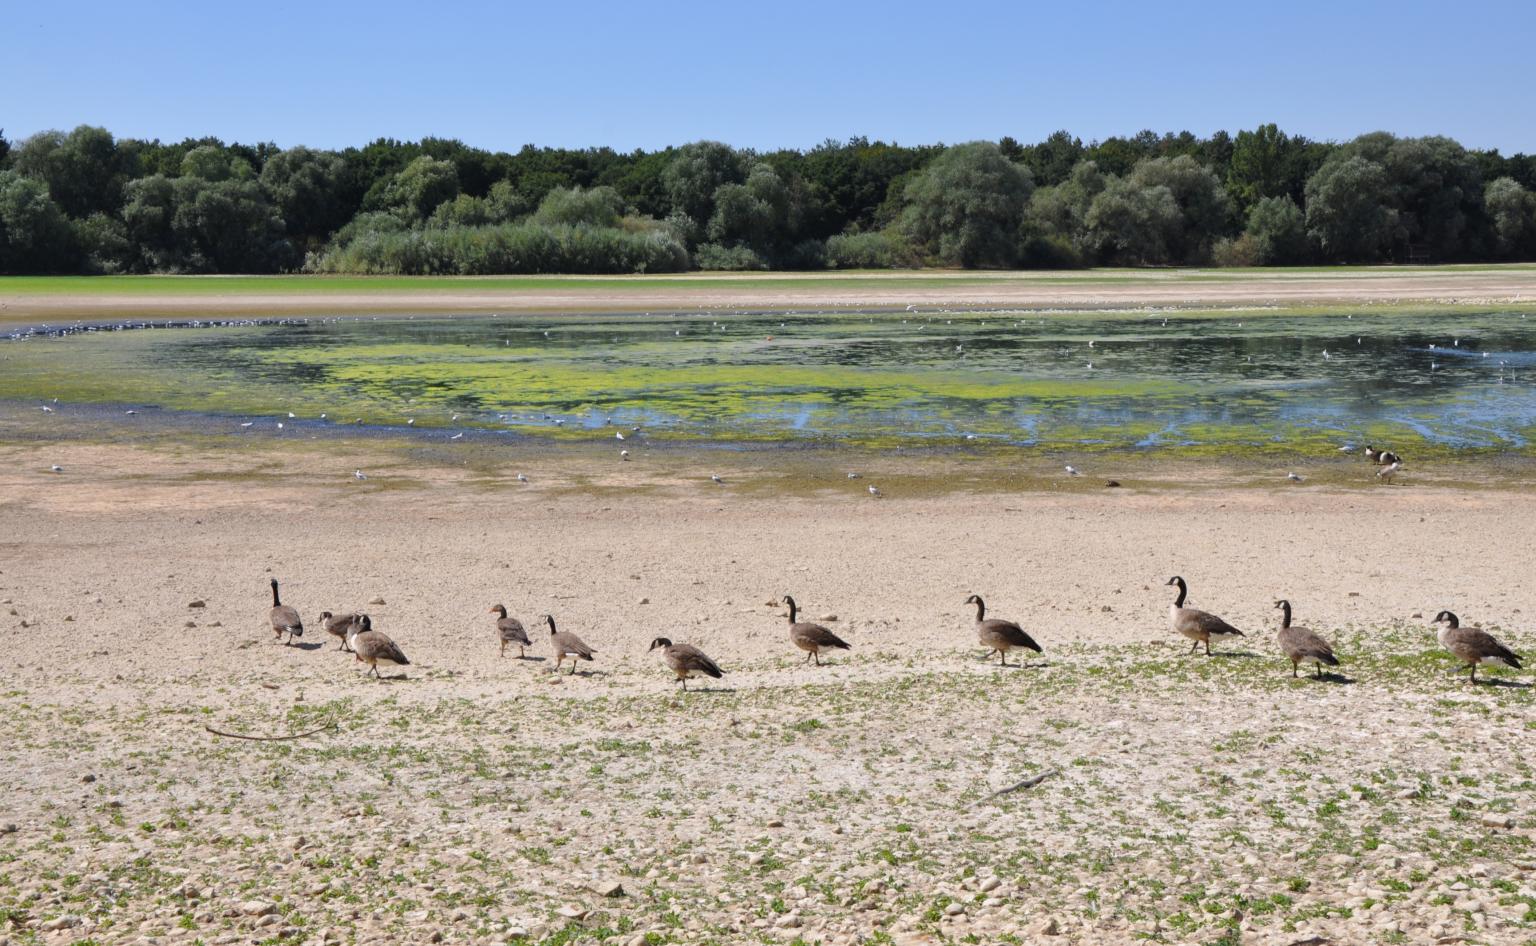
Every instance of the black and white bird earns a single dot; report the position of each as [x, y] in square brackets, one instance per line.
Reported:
[359, 475]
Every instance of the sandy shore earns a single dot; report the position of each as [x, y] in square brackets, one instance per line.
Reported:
[486, 800]
[1482, 286]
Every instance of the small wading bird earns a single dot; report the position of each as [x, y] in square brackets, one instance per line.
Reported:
[999, 635]
[686, 660]
[566, 645]
[1301, 644]
[812, 638]
[1472, 646]
[510, 631]
[875, 492]
[285, 620]
[1199, 626]
[374, 647]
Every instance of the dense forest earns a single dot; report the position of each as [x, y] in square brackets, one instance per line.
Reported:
[86, 202]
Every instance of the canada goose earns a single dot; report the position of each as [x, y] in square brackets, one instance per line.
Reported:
[1371, 454]
[285, 620]
[686, 660]
[510, 630]
[812, 638]
[1198, 626]
[1300, 643]
[374, 647]
[1000, 635]
[1472, 646]
[336, 625]
[566, 645]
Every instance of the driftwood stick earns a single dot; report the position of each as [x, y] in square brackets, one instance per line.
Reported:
[298, 735]
[1030, 782]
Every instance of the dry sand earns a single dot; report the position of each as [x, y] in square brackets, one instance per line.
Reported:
[1483, 286]
[485, 800]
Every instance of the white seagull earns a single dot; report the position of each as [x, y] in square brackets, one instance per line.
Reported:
[1072, 470]
[875, 492]
[359, 475]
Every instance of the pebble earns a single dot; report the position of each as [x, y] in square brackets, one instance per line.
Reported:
[1492, 820]
[954, 909]
[199, 603]
[257, 908]
[610, 888]
[377, 601]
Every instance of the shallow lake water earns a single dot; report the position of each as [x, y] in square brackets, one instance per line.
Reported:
[1143, 379]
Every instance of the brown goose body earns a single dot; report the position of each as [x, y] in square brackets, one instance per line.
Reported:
[1300, 644]
[336, 625]
[1472, 646]
[510, 631]
[374, 647]
[1199, 626]
[686, 660]
[1000, 636]
[285, 620]
[812, 638]
[566, 645]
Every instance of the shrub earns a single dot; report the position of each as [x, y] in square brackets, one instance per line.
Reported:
[713, 256]
[526, 248]
[876, 249]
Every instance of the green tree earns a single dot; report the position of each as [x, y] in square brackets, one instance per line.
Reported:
[213, 164]
[148, 210]
[35, 236]
[1260, 165]
[104, 242]
[1278, 232]
[696, 173]
[306, 188]
[85, 170]
[1349, 210]
[967, 206]
[1204, 209]
[419, 187]
[595, 207]
[1512, 214]
[1130, 224]
[227, 227]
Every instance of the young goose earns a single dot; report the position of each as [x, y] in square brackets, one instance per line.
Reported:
[336, 625]
[566, 645]
[285, 620]
[510, 630]
[1300, 643]
[998, 635]
[812, 638]
[686, 660]
[1199, 626]
[374, 647]
[1472, 646]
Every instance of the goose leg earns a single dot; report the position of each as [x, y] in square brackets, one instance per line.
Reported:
[503, 648]
[1319, 665]
[1293, 670]
[818, 660]
[1207, 646]
[1194, 646]
[1473, 678]
[1002, 656]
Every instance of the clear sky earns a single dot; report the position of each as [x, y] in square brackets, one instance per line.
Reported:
[648, 73]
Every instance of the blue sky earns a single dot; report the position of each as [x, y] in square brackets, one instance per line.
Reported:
[764, 75]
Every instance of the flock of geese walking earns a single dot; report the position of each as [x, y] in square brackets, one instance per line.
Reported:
[1300, 645]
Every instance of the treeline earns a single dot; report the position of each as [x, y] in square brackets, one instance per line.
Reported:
[84, 201]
